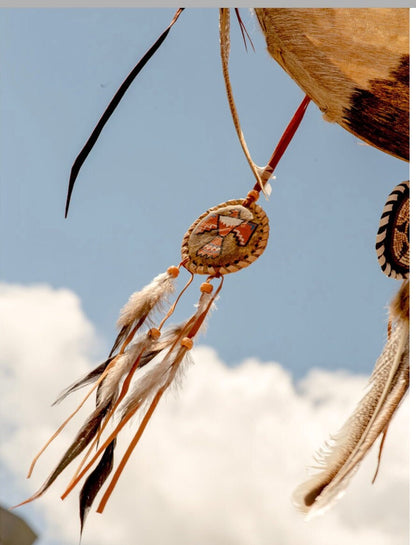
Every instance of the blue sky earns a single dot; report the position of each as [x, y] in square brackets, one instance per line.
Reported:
[316, 298]
[317, 295]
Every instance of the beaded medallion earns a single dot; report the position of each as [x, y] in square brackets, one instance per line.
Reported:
[225, 238]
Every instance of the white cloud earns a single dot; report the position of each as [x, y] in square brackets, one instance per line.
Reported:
[220, 458]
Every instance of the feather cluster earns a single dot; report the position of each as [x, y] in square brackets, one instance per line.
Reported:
[388, 384]
[129, 382]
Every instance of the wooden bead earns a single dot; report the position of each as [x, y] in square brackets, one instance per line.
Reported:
[206, 287]
[173, 271]
[252, 196]
[187, 343]
[154, 333]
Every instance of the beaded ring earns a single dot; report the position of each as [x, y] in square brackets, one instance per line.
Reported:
[392, 241]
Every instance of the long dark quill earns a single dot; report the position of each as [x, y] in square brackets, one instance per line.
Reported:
[95, 481]
[79, 161]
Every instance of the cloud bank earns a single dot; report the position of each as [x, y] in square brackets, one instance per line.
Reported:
[219, 460]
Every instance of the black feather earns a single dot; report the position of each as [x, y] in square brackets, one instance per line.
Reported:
[79, 161]
[95, 481]
[122, 334]
[81, 441]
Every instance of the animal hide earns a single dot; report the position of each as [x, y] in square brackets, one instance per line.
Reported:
[353, 63]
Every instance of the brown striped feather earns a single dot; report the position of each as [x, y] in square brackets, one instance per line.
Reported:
[353, 63]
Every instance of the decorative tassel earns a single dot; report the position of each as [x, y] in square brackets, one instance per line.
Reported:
[159, 381]
[388, 384]
[140, 354]
[117, 394]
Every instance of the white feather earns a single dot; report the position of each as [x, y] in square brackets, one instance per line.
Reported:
[141, 302]
[110, 386]
[342, 454]
[162, 373]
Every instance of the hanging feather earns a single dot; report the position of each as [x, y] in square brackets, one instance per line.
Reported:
[149, 391]
[83, 154]
[94, 482]
[388, 384]
[146, 347]
[141, 304]
[98, 476]
[118, 396]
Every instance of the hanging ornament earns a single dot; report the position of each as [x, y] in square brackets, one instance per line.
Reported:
[224, 239]
[143, 364]
[145, 360]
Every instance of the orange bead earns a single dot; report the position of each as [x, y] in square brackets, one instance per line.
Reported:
[206, 287]
[173, 271]
[252, 196]
[187, 343]
[154, 333]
